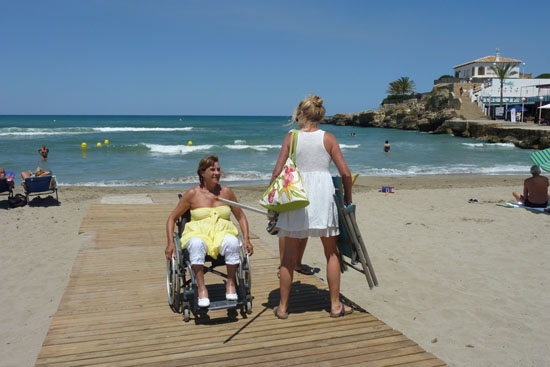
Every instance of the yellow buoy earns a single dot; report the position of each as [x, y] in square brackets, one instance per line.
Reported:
[106, 142]
[84, 145]
[98, 144]
[189, 143]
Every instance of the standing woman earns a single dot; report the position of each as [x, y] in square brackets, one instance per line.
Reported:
[314, 152]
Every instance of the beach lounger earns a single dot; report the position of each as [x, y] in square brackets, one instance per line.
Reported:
[6, 189]
[36, 186]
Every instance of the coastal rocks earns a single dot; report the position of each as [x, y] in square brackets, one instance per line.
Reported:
[436, 112]
[522, 137]
[424, 115]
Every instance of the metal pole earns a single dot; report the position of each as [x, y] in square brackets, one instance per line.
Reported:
[239, 205]
[522, 103]
[540, 108]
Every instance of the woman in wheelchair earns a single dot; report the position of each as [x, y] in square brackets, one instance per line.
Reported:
[210, 231]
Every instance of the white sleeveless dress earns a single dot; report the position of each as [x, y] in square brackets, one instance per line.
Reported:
[320, 217]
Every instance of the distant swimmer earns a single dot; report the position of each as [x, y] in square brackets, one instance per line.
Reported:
[387, 147]
[352, 134]
[43, 151]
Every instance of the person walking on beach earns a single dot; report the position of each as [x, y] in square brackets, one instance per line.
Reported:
[314, 152]
[461, 90]
[43, 151]
[387, 147]
[535, 190]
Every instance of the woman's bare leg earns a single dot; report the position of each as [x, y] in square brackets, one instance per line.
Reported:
[330, 245]
[199, 277]
[230, 286]
[287, 272]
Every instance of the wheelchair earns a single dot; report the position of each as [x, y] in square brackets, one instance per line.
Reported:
[182, 287]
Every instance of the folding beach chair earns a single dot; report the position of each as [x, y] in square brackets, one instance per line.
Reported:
[35, 186]
[350, 241]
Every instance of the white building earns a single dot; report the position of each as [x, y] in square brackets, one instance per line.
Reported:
[481, 68]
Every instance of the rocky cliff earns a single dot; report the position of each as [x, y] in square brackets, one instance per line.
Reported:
[436, 112]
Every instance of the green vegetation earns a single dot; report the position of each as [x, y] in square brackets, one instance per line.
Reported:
[502, 73]
[401, 86]
[445, 76]
[543, 76]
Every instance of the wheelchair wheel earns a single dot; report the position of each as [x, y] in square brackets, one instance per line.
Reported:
[173, 285]
[186, 314]
[249, 307]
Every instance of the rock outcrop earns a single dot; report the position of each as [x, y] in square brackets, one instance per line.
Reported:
[436, 112]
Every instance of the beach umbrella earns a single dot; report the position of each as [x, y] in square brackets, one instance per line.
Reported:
[542, 159]
[545, 107]
[517, 108]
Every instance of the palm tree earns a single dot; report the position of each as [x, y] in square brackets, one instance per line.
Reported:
[502, 72]
[401, 86]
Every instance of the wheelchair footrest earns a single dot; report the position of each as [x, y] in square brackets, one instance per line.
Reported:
[220, 305]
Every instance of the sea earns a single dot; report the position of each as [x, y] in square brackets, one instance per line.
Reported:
[164, 151]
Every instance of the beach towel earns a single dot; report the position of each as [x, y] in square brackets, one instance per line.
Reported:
[517, 205]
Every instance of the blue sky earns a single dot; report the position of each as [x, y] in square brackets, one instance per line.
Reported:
[237, 57]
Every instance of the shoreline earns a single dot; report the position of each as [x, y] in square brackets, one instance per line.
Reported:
[449, 270]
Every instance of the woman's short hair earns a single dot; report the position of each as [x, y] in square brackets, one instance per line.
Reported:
[312, 108]
[535, 170]
[206, 162]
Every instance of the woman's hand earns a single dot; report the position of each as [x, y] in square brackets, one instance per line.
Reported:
[248, 247]
[170, 251]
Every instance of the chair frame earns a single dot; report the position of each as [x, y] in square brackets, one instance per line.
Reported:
[29, 193]
[8, 191]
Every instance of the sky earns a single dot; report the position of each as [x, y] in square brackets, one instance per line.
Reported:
[203, 57]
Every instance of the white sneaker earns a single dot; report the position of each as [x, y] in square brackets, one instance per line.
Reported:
[231, 296]
[204, 302]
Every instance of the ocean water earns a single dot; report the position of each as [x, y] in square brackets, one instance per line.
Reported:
[155, 150]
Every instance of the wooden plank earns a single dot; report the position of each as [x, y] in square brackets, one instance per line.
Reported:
[114, 311]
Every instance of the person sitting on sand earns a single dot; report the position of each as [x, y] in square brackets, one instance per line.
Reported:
[43, 151]
[8, 178]
[210, 231]
[535, 190]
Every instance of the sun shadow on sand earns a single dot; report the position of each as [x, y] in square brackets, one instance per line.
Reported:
[43, 202]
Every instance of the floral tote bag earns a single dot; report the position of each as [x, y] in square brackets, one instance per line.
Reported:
[287, 190]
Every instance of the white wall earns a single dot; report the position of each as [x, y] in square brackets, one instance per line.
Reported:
[466, 70]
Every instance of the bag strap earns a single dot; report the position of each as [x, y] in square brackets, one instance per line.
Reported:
[293, 145]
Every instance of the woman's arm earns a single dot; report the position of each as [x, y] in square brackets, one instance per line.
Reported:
[183, 205]
[333, 148]
[241, 218]
[283, 155]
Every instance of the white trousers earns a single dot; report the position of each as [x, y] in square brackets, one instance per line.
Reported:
[230, 249]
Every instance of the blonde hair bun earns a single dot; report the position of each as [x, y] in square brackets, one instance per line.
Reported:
[316, 100]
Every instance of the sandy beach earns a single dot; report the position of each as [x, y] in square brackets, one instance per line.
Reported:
[466, 281]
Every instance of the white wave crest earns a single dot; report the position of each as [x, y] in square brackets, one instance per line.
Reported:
[447, 170]
[19, 131]
[176, 149]
[489, 145]
[260, 148]
[239, 141]
[140, 129]
[349, 146]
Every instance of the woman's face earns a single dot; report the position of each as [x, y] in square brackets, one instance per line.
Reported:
[212, 174]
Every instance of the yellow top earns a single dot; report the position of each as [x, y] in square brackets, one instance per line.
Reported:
[211, 225]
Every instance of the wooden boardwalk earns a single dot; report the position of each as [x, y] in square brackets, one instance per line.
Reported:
[115, 311]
